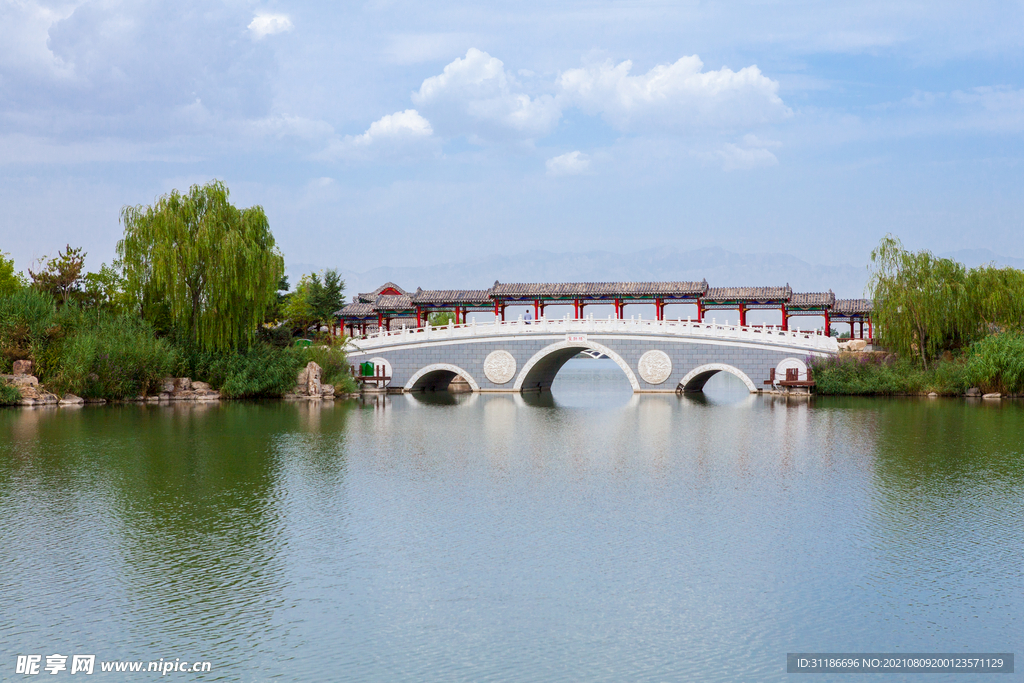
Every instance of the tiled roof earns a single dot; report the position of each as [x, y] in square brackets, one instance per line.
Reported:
[392, 302]
[813, 299]
[586, 290]
[853, 306]
[748, 294]
[370, 297]
[356, 310]
[451, 296]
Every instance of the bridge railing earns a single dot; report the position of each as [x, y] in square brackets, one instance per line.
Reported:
[809, 340]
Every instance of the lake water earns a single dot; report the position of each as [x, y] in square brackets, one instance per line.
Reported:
[588, 535]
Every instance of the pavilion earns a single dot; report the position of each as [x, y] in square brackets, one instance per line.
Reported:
[389, 304]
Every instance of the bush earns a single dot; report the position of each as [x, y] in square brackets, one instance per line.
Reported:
[105, 356]
[996, 363]
[9, 394]
[26, 317]
[262, 370]
[878, 375]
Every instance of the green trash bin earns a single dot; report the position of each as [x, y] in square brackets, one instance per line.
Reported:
[366, 369]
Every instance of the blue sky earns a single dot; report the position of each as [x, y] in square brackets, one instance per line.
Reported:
[403, 133]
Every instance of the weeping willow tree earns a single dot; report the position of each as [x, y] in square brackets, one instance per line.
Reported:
[921, 302]
[214, 266]
[997, 298]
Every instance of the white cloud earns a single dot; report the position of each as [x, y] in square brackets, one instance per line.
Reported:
[571, 163]
[402, 125]
[476, 97]
[402, 134]
[676, 96]
[264, 24]
[751, 152]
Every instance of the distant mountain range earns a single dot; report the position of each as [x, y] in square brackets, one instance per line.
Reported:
[720, 267]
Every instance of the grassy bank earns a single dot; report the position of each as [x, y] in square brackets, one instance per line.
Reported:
[100, 354]
[994, 364]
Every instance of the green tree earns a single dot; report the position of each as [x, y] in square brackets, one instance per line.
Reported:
[326, 296]
[105, 289]
[62, 276]
[10, 281]
[298, 309]
[215, 265]
[921, 303]
[996, 298]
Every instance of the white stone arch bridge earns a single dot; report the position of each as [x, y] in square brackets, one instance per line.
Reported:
[655, 355]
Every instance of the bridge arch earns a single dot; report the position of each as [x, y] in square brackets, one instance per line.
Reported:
[437, 377]
[539, 372]
[695, 379]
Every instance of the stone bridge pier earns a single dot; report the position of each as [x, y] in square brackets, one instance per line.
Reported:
[654, 357]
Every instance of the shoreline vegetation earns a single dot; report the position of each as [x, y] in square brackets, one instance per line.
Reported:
[946, 329]
[198, 292]
[197, 307]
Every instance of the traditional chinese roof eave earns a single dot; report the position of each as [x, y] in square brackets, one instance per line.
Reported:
[597, 291]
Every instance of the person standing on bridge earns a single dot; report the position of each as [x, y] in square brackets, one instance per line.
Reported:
[528, 318]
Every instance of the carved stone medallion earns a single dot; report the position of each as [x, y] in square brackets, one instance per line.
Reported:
[655, 367]
[500, 366]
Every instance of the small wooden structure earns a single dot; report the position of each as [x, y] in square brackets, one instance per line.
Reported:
[792, 378]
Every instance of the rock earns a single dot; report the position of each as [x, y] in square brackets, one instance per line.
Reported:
[308, 382]
[97, 401]
[24, 381]
[138, 399]
[327, 390]
[71, 400]
[22, 367]
[198, 386]
[856, 344]
[152, 399]
[973, 391]
[933, 395]
[993, 395]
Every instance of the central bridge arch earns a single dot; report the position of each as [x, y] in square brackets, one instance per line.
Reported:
[539, 372]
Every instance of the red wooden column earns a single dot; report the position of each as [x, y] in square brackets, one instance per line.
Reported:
[700, 311]
[619, 309]
[536, 309]
[785, 318]
[659, 309]
[743, 315]
[828, 324]
[871, 333]
[497, 310]
[387, 323]
[380, 321]
[419, 318]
